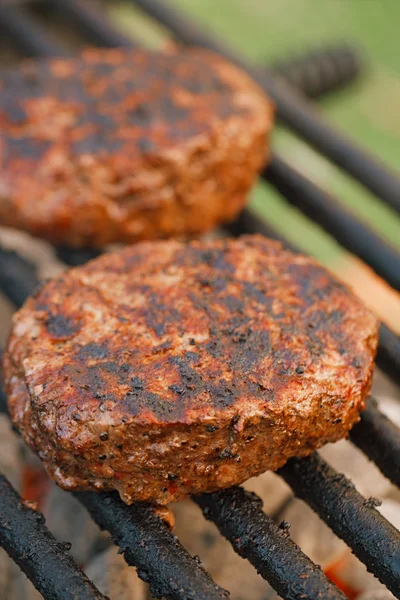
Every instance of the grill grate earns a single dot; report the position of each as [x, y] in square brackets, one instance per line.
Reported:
[140, 533]
[47, 563]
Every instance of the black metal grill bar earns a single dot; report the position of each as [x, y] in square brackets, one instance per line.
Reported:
[90, 23]
[321, 70]
[379, 439]
[45, 561]
[18, 277]
[27, 35]
[350, 516]
[388, 357]
[76, 256]
[347, 229]
[292, 108]
[249, 222]
[240, 518]
[147, 543]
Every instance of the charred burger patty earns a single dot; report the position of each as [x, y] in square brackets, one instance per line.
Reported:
[123, 145]
[169, 369]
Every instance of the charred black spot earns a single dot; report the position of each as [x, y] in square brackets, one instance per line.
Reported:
[60, 326]
[190, 378]
[211, 428]
[15, 112]
[137, 384]
[141, 115]
[25, 148]
[90, 144]
[226, 453]
[177, 389]
[171, 111]
[162, 347]
[93, 350]
[145, 144]
[233, 303]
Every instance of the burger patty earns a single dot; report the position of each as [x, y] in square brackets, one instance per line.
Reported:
[125, 145]
[169, 369]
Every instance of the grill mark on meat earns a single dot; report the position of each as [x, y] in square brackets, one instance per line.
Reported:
[213, 361]
[61, 327]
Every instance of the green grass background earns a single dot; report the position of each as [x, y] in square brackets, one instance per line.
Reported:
[368, 111]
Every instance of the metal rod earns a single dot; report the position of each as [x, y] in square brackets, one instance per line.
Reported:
[147, 543]
[45, 561]
[248, 222]
[379, 439]
[91, 23]
[350, 516]
[325, 210]
[239, 517]
[27, 35]
[76, 256]
[321, 70]
[18, 277]
[388, 357]
[293, 109]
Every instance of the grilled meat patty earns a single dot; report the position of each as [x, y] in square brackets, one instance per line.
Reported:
[124, 145]
[169, 369]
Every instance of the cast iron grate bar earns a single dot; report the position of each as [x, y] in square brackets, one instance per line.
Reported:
[240, 518]
[148, 544]
[379, 439]
[335, 219]
[90, 22]
[27, 35]
[18, 277]
[320, 71]
[350, 516]
[45, 561]
[388, 357]
[292, 108]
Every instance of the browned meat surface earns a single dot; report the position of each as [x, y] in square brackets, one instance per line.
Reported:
[125, 145]
[169, 369]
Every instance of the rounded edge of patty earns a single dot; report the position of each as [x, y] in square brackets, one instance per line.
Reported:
[169, 369]
[177, 157]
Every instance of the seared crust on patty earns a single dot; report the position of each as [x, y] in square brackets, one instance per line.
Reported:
[169, 369]
[123, 145]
